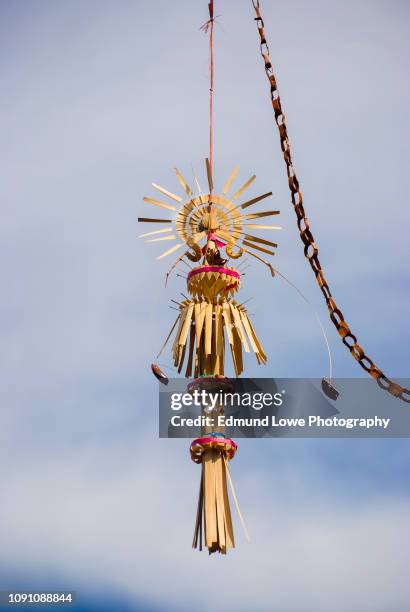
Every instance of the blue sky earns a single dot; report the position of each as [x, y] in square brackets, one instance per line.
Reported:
[99, 99]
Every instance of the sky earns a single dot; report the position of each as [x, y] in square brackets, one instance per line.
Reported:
[99, 99]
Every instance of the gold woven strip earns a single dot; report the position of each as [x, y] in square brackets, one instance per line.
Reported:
[183, 182]
[208, 329]
[167, 193]
[259, 226]
[161, 231]
[245, 323]
[260, 240]
[244, 187]
[254, 200]
[148, 220]
[172, 237]
[187, 323]
[258, 215]
[259, 248]
[238, 326]
[230, 180]
[209, 174]
[158, 203]
[228, 322]
[219, 330]
[171, 250]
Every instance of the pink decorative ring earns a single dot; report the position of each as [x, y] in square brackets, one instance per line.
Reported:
[220, 269]
[200, 445]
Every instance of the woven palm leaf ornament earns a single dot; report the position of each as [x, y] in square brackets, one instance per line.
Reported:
[211, 233]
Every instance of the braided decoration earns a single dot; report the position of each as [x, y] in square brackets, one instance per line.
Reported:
[310, 248]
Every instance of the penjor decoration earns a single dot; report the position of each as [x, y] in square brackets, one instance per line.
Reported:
[213, 231]
[211, 324]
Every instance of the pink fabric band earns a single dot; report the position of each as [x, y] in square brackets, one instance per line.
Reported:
[219, 269]
[211, 439]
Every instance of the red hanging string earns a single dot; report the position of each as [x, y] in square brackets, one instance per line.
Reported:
[211, 71]
[209, 25]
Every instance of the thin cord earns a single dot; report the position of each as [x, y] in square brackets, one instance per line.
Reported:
[236, 500]
[211, 88]
[317, 318]
[209, 25]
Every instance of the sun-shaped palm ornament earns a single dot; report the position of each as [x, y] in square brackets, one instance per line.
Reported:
[206, 225]
[210, 217]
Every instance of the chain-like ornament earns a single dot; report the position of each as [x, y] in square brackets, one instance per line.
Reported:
[310, 248]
